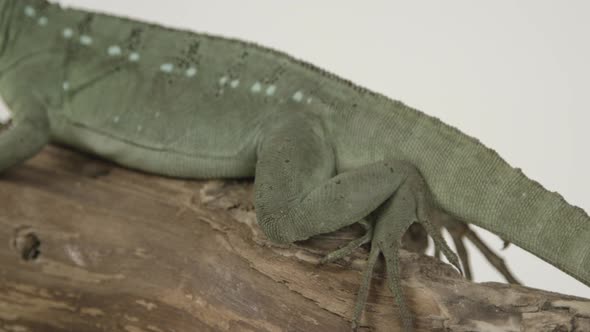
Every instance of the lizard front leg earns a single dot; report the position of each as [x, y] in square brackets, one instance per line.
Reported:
[23, 133]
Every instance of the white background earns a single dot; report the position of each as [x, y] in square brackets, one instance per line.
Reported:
[514, 74]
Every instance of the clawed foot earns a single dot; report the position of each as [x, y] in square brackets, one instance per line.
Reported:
[416, 240]
[411, 203]
[460, 231]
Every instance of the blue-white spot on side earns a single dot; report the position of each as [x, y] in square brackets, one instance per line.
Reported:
[271, 90]
[67, 33]
[134, 56]
[256, 87]
[190, 72]
[85, 40]
[167, 67]
[65, 86]
[298, 96]
[30, 11]
[223, 80]
[235, 83]
[114, 50]
[309, 100]
[42, 21]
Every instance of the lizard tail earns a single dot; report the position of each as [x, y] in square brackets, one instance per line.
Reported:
[475, 184]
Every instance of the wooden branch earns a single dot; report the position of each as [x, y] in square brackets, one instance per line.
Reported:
[88, 246]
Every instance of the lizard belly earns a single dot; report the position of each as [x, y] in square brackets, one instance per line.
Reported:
[153, 158]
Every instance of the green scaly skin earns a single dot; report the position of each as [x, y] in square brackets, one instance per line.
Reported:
[324, 152]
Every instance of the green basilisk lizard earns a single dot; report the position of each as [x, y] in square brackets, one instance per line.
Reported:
[325, 153]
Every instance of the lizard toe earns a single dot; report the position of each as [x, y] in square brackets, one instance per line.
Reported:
[351, 246]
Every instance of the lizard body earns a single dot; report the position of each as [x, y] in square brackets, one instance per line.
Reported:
[325, 152]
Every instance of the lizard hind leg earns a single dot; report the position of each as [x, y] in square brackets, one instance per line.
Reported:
[411, 203]
[298, 195]
[297, 191]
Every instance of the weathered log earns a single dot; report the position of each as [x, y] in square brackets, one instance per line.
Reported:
[89, 246]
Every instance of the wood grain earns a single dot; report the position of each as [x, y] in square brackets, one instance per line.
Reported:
[89, 246]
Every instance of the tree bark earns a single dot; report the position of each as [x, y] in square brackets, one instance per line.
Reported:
[89, 246]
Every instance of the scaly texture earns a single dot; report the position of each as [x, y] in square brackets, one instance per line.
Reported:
[325, 153]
